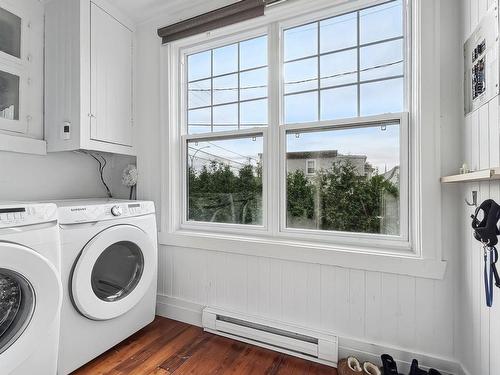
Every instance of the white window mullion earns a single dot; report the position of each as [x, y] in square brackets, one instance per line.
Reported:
[274, 151]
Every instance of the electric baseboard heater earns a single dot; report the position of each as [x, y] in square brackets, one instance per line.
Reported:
[296, 341]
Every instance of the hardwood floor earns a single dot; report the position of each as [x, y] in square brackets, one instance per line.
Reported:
[168, 347]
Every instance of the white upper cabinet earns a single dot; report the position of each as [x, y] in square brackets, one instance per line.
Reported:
[21, 71]
[89, 77]
[111, 79]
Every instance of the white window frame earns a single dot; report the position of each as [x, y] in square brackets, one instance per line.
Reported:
[419, 254]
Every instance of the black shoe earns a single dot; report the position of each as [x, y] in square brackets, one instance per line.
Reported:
[415, 370]
[389, 365]
[434, 372]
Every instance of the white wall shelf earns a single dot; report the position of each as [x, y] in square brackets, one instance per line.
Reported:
[481, 175]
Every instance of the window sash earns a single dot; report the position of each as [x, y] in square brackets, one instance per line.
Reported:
[340, 236]
[320, 16]
[214, 226]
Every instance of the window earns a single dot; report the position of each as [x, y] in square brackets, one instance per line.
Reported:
[329, 160]
[310, 167]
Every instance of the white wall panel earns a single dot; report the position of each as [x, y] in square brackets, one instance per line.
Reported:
[479, 329]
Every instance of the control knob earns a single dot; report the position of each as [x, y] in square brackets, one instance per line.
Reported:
[116, 211]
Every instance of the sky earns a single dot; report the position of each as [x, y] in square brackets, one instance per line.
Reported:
[320, 82]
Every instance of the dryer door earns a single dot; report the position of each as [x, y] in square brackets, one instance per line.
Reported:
[113, 273]
[30, 301]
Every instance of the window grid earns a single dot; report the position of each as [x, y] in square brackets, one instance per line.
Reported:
[212, 89]
[359, 82]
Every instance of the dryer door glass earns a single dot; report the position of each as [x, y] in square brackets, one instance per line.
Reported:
[117, 271]
[17, 303]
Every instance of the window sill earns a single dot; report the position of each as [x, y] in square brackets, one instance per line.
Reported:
[348, 257]
[24, 145]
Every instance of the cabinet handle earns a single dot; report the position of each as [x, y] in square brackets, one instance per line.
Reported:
[91, 115]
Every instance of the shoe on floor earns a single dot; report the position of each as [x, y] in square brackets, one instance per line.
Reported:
[371, 369]
[389, 365]
[415, 370]
[349, 366]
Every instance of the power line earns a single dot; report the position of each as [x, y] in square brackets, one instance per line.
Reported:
[218, 157]
[306, 80]
[233, 152]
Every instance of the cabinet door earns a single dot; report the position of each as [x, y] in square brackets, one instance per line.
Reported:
[12, 75]
[111, 79]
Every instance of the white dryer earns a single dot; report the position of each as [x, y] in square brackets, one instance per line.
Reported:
[30, 288]
[109, 268]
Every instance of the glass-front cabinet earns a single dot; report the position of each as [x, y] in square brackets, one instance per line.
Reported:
[21, 69]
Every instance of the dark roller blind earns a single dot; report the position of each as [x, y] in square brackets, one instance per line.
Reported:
[228, 15]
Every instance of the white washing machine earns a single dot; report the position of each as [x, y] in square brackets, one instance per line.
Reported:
[30, 288]
[109, 267]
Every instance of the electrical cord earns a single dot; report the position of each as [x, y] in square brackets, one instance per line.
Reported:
[101, 160]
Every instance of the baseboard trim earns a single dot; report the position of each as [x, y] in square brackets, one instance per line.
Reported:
[179, 309]
[191, 313]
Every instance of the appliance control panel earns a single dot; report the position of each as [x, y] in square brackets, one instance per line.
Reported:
[83, 212]
[15, 215]
[481, 62]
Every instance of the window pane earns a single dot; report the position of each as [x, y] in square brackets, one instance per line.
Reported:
[301, 75]
[200, 94]
[341, 102]
[382, 60]
[9, 96]
[339, 68]
[355, 187]
[339, 32]
[10, 33]
[253, 53]
[199, 129]
[225, 59]
[225, 180]
[381, 22]
[199, 65]
[253, 113]
[382, 97]
[226, 89]
[226, 115]
[199, 119]
[301, 41]
[253, 84]
[301, 107]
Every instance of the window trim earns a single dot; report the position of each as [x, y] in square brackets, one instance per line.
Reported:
[423, 257]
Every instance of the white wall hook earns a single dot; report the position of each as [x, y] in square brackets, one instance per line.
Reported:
[474, 199]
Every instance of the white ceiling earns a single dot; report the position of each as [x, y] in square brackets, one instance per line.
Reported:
[142, 10]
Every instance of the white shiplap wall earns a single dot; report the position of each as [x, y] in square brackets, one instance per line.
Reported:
[410, 313]
[405, 312]
[479, 328]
